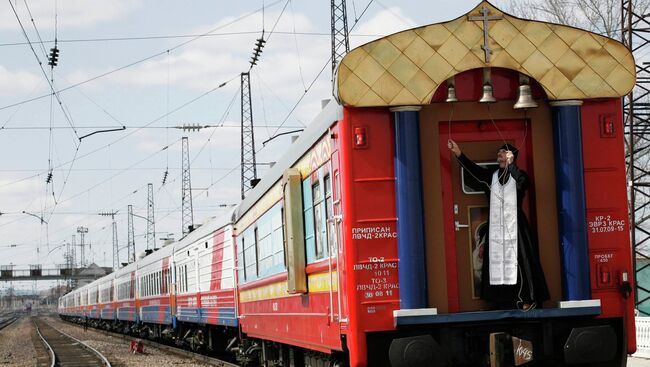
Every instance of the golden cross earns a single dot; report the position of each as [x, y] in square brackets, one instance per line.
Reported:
[486, 18]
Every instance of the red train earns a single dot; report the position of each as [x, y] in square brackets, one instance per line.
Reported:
[363, 245]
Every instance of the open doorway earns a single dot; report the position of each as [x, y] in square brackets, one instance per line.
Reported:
[452, 201]
[468, 212]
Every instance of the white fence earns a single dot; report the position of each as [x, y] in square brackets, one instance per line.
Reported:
[642, 337]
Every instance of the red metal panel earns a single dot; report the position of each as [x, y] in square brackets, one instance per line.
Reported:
[368, 195]
[607, 212]
[295, 319]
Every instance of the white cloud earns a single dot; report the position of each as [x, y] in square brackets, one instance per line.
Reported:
[71, 13]
[206, 62]
[387, 21]
[19, 82]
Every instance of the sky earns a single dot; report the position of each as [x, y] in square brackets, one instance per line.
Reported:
[152, 66]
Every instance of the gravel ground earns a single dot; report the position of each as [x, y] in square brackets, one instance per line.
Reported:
[117, 350]
[16, 348]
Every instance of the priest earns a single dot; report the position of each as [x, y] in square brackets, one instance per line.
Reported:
[512, 273]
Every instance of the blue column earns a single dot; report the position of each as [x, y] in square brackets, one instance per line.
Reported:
[410, 218]
[570, 184]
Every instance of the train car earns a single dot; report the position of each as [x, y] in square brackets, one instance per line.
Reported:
[106, 305]
[153, 300]
[204, 284]
[288, 221]
[553, 92]
[125, 297]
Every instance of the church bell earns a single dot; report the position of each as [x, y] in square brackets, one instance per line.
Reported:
[451, 94]
[525, 99]
[487, 97]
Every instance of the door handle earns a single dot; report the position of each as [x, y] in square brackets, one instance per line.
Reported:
[459, 226]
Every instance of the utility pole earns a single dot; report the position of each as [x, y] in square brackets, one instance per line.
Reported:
[151, 227]
[116, 247]
[82, 234]
[187, 212]
[130, 236]
[636, 36]
[248, 167]
[340, 38]
[74, 251]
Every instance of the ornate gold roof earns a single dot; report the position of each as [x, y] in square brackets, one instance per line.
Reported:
[406, 68]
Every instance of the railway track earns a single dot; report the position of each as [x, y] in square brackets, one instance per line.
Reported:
[8, 321]
[170, 349]
[66, 351]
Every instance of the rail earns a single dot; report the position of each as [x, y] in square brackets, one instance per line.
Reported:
[49, 347]
[53, 354]
[6, 322]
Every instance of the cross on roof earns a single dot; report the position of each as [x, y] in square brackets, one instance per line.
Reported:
[486, 18]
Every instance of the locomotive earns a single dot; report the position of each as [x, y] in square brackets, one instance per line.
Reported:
[362, 245]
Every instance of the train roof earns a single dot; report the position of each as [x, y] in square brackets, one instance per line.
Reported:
[331, 113]
[205, 229]
[161, 253]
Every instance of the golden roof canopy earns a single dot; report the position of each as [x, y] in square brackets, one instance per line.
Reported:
[406, 68]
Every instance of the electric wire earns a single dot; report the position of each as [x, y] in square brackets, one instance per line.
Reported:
[327, 63]
[295, 41]
[192, 39]
[183, 105]
[40, 64]
[163, 37]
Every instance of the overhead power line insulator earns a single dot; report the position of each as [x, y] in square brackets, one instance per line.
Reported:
[54, 56]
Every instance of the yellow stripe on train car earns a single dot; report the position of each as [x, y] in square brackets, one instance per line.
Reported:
[316, 283]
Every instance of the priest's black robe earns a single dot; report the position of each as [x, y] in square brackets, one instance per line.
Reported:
[531, 284]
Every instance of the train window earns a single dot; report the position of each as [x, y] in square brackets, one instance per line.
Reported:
[241, 262]
[250, 255]
[278, 239]
[470, 184]
[310, 238]
[206, 244]
[184, 278]
[318, 220]
[270, 242]
[329, 210]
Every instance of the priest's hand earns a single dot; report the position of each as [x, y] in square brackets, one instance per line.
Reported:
[509, 157]
[454, 147]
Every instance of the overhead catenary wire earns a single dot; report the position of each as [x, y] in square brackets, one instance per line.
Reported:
[163, 37]
[139, 61]
[329, 60]
[183, 105]
[40, 65]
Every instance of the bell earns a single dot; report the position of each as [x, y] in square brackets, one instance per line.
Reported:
[525, 99]
[488, 97]
[451, 94]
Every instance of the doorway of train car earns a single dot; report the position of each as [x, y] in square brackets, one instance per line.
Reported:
[466, 209]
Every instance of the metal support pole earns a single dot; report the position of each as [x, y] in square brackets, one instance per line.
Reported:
[248, 165]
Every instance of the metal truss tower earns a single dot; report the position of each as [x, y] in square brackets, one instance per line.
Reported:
[340, 39]
[636, 108]
[151, 225]
[248, 164]
[74, 251]
[116, 248]
[130, 236]
[187, 212]
[82, 234]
